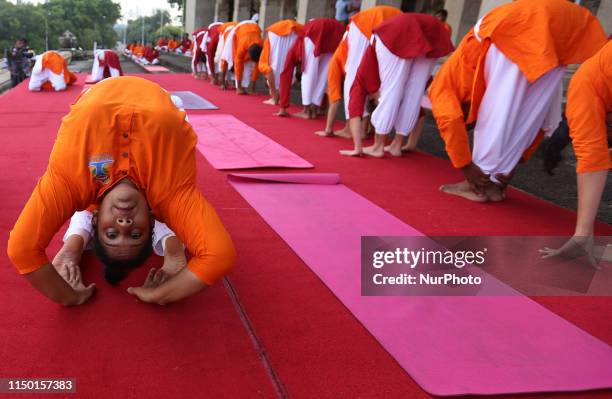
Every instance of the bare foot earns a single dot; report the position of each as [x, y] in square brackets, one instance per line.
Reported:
[302, 114]
[464, 190]
[351, 153]
[270, 101]
[282, 112]
[344, 132]
[495, 193]
[393, 150]
[373, 151]
[408, 147]
[324, 133]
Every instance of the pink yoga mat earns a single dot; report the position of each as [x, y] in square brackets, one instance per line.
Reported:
[449, 345]
[155, 68]
[227, 143]
[89, 80]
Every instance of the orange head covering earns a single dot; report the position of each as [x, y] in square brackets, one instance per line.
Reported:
[369, 19]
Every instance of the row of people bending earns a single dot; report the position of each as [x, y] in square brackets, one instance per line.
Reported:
[505, 77]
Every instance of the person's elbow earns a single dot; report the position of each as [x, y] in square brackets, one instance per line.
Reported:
[227, 256]
[17, 251]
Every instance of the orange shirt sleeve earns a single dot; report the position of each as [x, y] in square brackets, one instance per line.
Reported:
[239, 54]
[451, 89]
[49, 206]
[589, 98]
[264, 59]
[336, 72]
[63, 189]
[446, 105]
[196, 223]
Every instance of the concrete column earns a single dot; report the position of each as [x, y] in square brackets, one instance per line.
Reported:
[242, 10]
[308, 9]
[288, 9]
[488, 5]
[365, 4]
[198, 14]
[605, 16]
[222, 11]
[269, 13]
[462, 15]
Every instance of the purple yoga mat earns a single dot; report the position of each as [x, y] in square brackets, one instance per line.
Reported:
[449, 345]
[193, 101]
[228, 143]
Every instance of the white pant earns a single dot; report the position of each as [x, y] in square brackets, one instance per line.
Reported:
[314, 77]
[228, 46]
[402, 84]
[41, 75]
[279, 48]
[219, 50]
[512, 112]
[97, 72]
[246, 74]
[80, 224]
[357, 45]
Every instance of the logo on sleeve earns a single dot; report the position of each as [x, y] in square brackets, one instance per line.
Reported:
[99, 166]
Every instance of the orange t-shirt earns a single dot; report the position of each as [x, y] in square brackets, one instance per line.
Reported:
[369, 19]
[280, 28]
[450, 92]
[538, 36]
[172, 44]
[246, 35]
[589, 99]
[365, 21]
[54, 61]
[124, 127]
[336, 72]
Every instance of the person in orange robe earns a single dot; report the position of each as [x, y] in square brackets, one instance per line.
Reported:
[172, 45]
[162, 44]
[50, 72]
[589, 116]
[349, 53]
[515, 89]
[224, 32]
[242, 51]
[126, 149]
[279, 39]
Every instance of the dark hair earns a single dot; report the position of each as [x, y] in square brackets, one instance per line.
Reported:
[554, 147]
[442, 12]
[255, 52]
[117, 270]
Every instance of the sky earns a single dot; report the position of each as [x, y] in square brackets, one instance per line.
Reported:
[134, 8]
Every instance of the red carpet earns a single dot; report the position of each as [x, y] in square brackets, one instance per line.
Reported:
[314, 345]
[115, 347]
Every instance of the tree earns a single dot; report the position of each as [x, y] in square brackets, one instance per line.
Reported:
[21, 21]
[152, 27]
[88, 20]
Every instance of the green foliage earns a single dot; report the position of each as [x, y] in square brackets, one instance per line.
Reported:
[152, 28]
[88, 20]
[169, 31]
